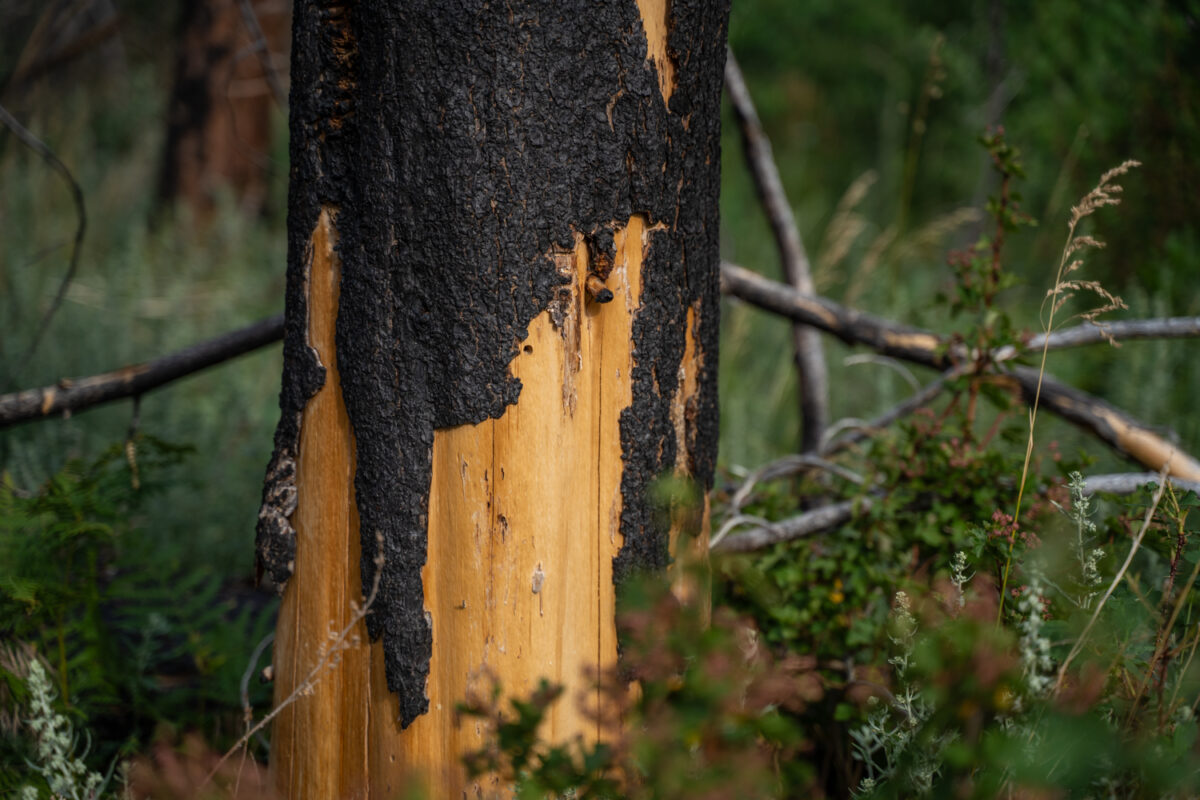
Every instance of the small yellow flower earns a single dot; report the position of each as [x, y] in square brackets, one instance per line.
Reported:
[836, 595]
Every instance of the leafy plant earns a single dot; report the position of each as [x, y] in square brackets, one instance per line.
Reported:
[133, 640]
[708, 717]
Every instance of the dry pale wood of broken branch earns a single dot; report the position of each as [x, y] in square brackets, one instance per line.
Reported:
[1122, 432]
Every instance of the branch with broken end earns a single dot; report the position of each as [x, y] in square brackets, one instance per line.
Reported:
[1118, 429]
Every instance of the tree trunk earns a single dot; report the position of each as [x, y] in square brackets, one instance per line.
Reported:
[219, 112]
[501, 329]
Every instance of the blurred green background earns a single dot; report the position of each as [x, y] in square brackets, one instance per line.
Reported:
[873, 109]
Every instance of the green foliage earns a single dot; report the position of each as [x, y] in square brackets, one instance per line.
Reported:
[80, 583]
[62, 772]
[973, 697]
[708, 716]
[130, 598]
[1001, 711]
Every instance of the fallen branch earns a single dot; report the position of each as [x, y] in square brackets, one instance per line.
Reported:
[69, 396]
[1124, 433]
[1130, 482]
[1113, 426]
[1124, 330]
[765, 534]
[810, 358]
[852, 327]
[1118, 429]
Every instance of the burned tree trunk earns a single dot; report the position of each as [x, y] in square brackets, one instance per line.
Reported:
[501, 329]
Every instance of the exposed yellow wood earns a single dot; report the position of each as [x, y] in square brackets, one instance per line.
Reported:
[524, 522]
[523, 527]
[1150, 449]
[326, 579]
[689, 571]
[656, 21]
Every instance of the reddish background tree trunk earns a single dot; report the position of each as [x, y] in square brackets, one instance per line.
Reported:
[220, 110]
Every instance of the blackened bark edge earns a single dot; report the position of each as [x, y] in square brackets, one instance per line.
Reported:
[321, 101]
[461, 147]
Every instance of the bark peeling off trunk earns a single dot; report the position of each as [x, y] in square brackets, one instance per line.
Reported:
[465, 147]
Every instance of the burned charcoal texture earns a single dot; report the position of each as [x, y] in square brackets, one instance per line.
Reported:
[461, 146]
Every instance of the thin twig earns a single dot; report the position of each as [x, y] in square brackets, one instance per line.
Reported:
[263, 50]
[71, 395]
[883, 361]
[1163, 634]
[861, 430]
[810, 359]
[788, 465]
[36, 145]
[736, 521]
[251, 667]
[330, 658]
[247, 709]
[1164, 637]
[1133, 548]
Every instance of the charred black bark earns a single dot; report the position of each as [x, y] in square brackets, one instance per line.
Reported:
[460, 147]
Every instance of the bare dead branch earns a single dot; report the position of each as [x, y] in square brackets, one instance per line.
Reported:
[1124, 330]
[810, 358]
[859, 431]
[1111, 425]
[806, 524]
[1125, 434]
[1130, 482]
[69, 396]
[36, 145]
[852, 327]
[763, 533]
